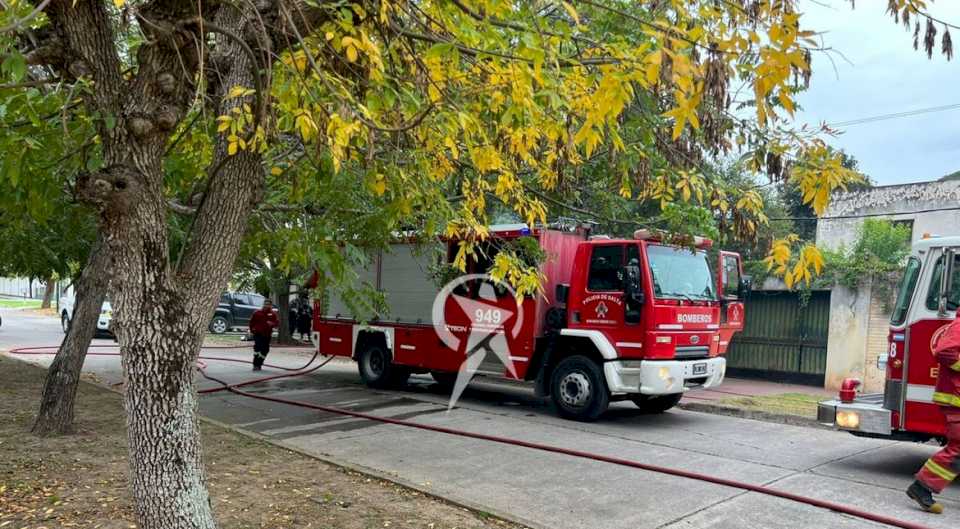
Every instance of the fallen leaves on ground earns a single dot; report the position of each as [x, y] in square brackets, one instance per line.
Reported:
[80, 480]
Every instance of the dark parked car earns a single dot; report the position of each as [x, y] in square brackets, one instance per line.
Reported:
[235, 310]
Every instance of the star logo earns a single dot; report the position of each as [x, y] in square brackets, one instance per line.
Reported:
[487, 332]
[735, 313]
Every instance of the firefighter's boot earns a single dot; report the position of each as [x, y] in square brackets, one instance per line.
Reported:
[922, 495]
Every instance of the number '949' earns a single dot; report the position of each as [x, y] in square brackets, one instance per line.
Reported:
[487, 316]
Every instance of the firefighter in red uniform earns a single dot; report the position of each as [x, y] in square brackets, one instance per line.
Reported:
[941, 469]
[262, 324]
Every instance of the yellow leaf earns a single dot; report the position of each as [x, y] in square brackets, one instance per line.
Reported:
[380, 185]
[452, 145]
[786, 102]
[232, 149]
[276, 171]
[433, 92]
[351, 54]
[572, 12]
[119, 3]
[238, 91]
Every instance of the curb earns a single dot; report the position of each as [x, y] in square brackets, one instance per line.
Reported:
[384, 476]
[756, 415]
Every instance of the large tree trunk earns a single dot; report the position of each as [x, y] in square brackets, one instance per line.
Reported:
[60, 389]
[48, 293]
[161, 312]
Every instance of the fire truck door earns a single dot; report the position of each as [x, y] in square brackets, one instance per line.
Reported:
[732, 289]
[932, 311]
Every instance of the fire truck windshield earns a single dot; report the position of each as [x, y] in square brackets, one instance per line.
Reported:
[679, 273]
[907, 285]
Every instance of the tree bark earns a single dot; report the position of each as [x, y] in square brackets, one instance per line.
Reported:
[60, 389]
[51, 287]
[163, 313]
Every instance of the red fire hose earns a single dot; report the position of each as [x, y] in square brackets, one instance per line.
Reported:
[234, 388]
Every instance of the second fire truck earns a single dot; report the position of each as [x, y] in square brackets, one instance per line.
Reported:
[927, 301]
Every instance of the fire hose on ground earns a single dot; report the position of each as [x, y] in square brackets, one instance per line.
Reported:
[306, 369]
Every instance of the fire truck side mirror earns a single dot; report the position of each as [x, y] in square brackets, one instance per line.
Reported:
[562, 293]
[946, 281]
[746, 286]
[631, 283]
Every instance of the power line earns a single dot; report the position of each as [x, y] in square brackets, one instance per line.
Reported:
[895, 115]
[869, 215]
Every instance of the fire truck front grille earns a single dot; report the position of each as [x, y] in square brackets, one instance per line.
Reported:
[692, 352]
[892, 394]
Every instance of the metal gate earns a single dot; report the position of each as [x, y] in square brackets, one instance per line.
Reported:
[783, 340]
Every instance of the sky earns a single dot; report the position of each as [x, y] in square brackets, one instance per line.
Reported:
[885, 75]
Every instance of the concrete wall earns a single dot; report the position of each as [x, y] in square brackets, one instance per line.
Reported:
[878, 331]
[847, 335]
[859, 323]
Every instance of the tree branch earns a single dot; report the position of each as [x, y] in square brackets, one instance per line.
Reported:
[89, 48]
[16, 24]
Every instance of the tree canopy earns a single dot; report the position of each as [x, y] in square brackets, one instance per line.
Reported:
[436, 108]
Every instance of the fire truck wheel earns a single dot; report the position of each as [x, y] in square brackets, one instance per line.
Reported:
[578, 389]
[377, 369]
[656, 404]
[444, 379]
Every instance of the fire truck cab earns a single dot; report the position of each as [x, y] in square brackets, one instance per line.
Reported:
[926, 302]
[618, 319]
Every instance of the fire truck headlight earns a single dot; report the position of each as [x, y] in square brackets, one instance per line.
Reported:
[664, 339]
[848, 419]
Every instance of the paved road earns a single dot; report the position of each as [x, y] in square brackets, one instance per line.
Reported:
[554, 491]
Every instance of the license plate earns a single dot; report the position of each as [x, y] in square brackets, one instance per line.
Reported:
[700, 369]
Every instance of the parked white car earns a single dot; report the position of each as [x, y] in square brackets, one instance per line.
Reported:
[103, 322]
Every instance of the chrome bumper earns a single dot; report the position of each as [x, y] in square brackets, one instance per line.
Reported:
[866, 414]
[663, 377]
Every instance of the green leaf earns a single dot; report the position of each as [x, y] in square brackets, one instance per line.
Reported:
[441, 49]
[15, 66]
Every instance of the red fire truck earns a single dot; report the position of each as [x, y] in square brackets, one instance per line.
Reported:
[618, 319]
[927, 300]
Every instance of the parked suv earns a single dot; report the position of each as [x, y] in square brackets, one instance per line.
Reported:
[235, 310]
[103, 321]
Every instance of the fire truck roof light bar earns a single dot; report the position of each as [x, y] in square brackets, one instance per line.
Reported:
[702, 243]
